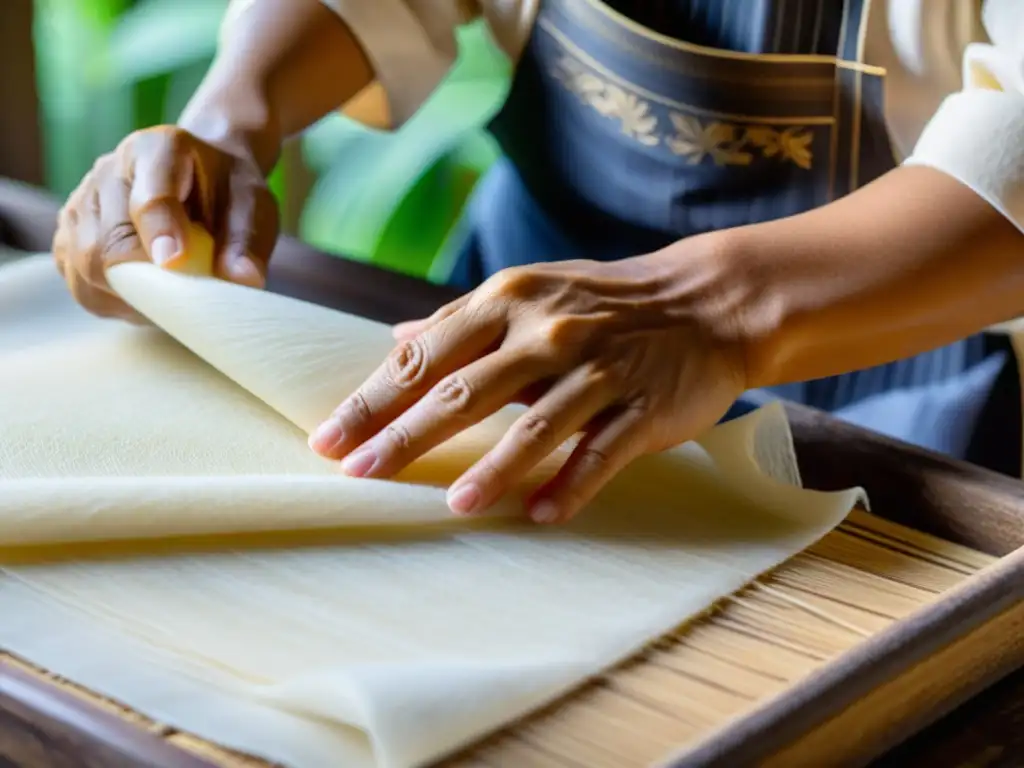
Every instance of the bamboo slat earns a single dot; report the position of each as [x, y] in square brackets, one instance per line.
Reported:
[859, 579]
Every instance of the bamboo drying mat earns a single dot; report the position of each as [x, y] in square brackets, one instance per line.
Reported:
[862, 577]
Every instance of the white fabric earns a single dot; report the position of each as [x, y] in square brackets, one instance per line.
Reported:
[397, 638]
[977, 136]
[986, 153]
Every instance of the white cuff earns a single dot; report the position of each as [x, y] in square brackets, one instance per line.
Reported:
[977, 137]
[408, 63]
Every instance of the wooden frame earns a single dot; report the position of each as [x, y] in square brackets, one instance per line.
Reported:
[850, 711]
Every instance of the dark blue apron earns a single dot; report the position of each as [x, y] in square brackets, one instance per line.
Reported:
[631, 125]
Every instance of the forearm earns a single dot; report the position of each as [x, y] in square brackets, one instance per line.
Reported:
[909, 263]
[282, 65]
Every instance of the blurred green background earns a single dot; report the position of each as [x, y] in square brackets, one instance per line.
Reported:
[108, 67]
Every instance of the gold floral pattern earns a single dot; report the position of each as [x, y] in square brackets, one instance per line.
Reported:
[792, 144]
[730, 144]
[610, 100]
[723, 143]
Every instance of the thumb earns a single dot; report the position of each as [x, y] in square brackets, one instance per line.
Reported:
[161, 182]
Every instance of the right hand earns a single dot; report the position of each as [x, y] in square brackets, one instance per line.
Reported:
[137, 202]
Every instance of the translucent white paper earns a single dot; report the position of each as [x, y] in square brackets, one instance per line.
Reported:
[403, 635]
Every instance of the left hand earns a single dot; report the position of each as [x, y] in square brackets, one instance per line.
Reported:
[612, 350]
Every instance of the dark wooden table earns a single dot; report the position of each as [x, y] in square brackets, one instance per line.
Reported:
[988, 732]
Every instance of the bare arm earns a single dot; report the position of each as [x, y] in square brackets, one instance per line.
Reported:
[282, 65]
[909, 263]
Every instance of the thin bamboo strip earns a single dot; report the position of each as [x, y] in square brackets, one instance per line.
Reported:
[852, 587]
[518, 752]
[694, 664]
[920, 541]
[858, 580]
[846, 548]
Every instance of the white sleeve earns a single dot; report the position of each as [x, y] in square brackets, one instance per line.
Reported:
[977, 134]
[410, 44]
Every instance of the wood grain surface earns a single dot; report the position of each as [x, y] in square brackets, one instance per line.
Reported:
[963, 505]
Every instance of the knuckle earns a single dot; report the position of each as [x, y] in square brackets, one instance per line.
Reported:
[133, 142]
[102, 165]
[126, 145]
[123, 184]
[170, 136]
[73, 207]
[455, 395]
[357, 412]
[535, 430]
[397, 437]
[556, 338]
[118, 240]
[557, 333]
[68, 216]
[407, 364]
[512, 283]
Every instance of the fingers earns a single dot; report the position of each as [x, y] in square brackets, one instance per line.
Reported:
[129, 207]
[121, 241]
[248, 234]
[413, 328]
[410, 371]
[458, 401]
[599, 457]
[92, 233]
[136, 203]
[559, 414]
[162, 177]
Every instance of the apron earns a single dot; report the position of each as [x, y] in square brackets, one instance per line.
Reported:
[631, 125]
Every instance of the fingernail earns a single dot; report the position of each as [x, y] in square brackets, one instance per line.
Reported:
[163, 250]
[326, 436]
[360, 463]
[544, 512]
[464, 500]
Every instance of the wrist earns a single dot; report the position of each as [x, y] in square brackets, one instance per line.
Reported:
[232, 112]
[718, 281]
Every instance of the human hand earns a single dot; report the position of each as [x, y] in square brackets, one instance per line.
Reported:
[613, 350]
[137, 203]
